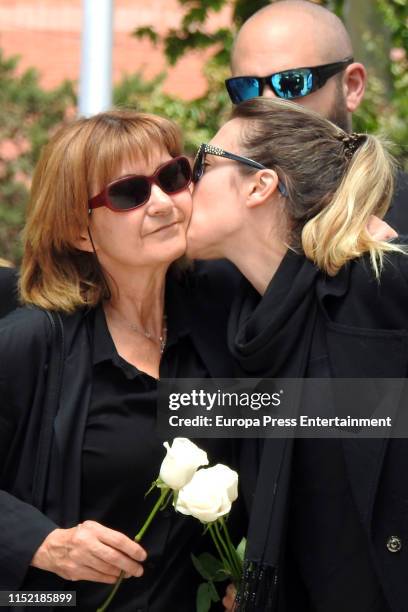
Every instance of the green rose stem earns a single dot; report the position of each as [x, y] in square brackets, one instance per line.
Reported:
[225, 562]
[161, 501]
[237, 560]
[229, 551]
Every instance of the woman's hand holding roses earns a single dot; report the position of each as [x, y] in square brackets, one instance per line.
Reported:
[90, 551]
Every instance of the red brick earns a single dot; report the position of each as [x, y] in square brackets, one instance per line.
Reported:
[47, 36]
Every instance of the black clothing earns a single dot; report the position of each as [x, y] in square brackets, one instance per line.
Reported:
[327, 548]
[120, 434]
[365, 330]
[8, 290]
[325, 536]
[196, 345]
[265, 334]
[397, 214]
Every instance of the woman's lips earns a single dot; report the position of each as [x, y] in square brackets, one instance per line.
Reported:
[165, 227]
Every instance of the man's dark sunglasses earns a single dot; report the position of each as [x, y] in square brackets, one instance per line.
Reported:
[134, 190]
[288, 84]
[207, 149]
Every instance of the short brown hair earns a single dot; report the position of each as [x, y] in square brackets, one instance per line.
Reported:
[79, 160]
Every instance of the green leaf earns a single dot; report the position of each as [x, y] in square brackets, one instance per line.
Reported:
[206, 594]
[194, 16]
[207, 565]
[222, 575]
[152, 488]
[199, 567]
[147, 32]
[244, 9]
[213, 591]
[204, 597]
[241, 549]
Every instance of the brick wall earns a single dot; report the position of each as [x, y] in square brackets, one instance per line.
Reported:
[47, 35]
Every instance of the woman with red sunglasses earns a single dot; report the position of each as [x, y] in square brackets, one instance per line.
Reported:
[322, 298]
[103, 246]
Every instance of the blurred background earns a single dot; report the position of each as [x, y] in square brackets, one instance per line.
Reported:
[169, 57]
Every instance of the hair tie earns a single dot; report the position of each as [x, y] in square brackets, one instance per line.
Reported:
[352, 142]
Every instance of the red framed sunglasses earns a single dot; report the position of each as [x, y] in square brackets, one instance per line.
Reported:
[134, 190]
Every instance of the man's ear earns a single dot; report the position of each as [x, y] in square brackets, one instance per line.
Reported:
[354, 82]
[263, 185]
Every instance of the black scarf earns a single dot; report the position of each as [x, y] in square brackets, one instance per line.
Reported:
[271, 337]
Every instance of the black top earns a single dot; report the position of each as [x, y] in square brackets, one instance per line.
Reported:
[122, 455]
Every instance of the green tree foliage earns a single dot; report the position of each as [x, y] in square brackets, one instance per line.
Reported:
[28, 114]
[199, 118]
[391, 117]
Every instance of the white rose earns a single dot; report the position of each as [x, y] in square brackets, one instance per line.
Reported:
[207, 495]
[227, 478]
[181, 462]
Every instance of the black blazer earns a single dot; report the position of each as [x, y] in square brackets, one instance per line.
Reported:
[367, 336]
[8, 290]
[24, 347]
[365, 328]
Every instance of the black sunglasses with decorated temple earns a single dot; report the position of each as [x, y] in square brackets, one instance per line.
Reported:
[207, 149]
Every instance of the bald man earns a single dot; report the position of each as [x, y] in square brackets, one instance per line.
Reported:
[292, 34]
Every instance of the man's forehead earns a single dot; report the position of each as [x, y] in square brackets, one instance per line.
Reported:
[268, 46]
[263, 64]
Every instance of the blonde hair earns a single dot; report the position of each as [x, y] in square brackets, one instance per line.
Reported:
[80, 160]
[332, 191]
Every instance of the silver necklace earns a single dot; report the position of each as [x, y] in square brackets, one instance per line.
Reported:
[161, 340]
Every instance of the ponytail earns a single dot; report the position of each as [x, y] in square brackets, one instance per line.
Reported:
[334, 181]
[339, 232]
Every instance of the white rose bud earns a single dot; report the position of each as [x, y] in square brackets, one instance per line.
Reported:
[181, 462]
[207, 495]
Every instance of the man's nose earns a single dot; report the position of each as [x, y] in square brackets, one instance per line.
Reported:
[267, 92]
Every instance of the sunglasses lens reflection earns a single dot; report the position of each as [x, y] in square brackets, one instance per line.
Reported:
[292, 83]
[243, 88]
[287, 84]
